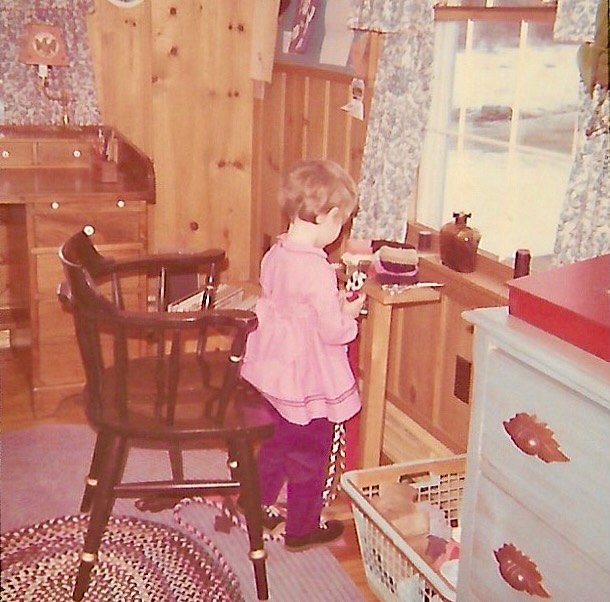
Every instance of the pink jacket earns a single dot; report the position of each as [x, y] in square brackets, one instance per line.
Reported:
[298, 355]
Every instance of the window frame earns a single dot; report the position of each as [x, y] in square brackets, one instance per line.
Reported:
[431, 188]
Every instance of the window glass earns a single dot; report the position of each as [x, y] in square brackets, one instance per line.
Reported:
[501, 131]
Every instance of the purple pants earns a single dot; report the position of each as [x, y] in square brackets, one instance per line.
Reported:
[296, 454]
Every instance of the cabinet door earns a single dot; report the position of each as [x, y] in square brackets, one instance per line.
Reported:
[453, 398]
[414, 343]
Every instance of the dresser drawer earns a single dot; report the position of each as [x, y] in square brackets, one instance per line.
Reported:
[16, 153]
[565, 573]
[557, 423]
[111, 222]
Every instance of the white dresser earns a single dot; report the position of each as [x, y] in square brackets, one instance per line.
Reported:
[536, 509]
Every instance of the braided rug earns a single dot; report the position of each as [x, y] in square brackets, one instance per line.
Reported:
[139, 561]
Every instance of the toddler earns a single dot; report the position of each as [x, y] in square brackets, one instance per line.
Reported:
[297, 358]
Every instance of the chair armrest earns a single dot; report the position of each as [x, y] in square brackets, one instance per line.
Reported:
[188, 319]
[170, 261]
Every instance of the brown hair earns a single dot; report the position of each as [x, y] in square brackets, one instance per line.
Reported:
[314, 187]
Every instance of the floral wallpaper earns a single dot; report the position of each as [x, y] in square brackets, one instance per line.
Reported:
[399, 113]
[584, 224]
[24, 101]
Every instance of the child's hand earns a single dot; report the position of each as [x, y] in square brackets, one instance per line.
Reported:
[352, 307]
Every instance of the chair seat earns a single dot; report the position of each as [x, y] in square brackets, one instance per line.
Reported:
[247, 413]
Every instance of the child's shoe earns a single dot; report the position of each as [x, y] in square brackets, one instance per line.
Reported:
[273, 520]
[327, 531]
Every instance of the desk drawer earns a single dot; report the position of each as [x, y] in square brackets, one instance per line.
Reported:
[16, 153]
[564, 491]
[56, 323]
[49, 272]
[111, 222]
[60, 153]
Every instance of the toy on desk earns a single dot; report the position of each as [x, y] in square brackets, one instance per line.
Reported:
[354, 283]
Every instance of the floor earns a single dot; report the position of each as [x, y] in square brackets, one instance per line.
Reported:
[16, 413]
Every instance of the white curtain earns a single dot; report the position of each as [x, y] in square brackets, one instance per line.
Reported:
[399, 113]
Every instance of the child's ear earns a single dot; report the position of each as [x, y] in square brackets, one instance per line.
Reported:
[325, 216]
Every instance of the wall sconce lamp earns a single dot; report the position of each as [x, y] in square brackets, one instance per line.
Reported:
[43, 45]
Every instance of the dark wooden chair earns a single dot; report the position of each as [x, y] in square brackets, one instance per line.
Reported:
[161, 379]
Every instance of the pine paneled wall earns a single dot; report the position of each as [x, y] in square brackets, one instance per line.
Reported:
[299, 117]
[174, 77]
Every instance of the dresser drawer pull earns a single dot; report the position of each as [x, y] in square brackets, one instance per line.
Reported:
[89, 230]
[534, 438]
[6, 154]
[519, 571]
[54, 205]
[76, 154]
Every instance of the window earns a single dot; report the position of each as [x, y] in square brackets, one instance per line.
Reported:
[501, 132]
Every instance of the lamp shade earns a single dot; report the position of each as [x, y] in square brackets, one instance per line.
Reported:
[43, 44]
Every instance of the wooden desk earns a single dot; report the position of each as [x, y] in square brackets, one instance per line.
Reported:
[51, 186]
[374, 362]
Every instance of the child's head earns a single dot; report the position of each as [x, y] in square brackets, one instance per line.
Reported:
[312, 188]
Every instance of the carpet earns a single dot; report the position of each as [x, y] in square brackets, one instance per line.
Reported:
[42, 471]
[139, 561]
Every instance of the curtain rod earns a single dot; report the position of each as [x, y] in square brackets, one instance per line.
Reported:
[494, 13]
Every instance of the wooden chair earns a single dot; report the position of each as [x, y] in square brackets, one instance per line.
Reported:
[160, 379]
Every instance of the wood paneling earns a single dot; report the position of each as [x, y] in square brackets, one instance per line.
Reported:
[175, 78]
[299, 117]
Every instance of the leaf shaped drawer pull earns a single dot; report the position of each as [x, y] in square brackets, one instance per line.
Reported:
[519, 571]
[534, 438]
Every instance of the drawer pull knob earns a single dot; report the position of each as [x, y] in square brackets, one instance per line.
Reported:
[519, 571]
[5, 154]
[120, 203]
[54, 205]
[76, 153]
[89, 230]
[534, 438]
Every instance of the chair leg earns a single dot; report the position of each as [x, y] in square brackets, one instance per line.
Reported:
[110, 469]
[98, 457]
[244, 467]
[175, 460]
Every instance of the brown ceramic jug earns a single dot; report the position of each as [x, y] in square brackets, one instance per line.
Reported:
[459, 243]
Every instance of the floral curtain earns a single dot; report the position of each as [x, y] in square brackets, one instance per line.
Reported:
[584, 223]
[399, 113]
[24, 102]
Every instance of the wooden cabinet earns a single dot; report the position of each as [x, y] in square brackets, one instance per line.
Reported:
[51, 190]
[430, 364]
[534, 512]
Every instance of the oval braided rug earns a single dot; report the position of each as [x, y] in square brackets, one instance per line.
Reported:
[139, 561]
